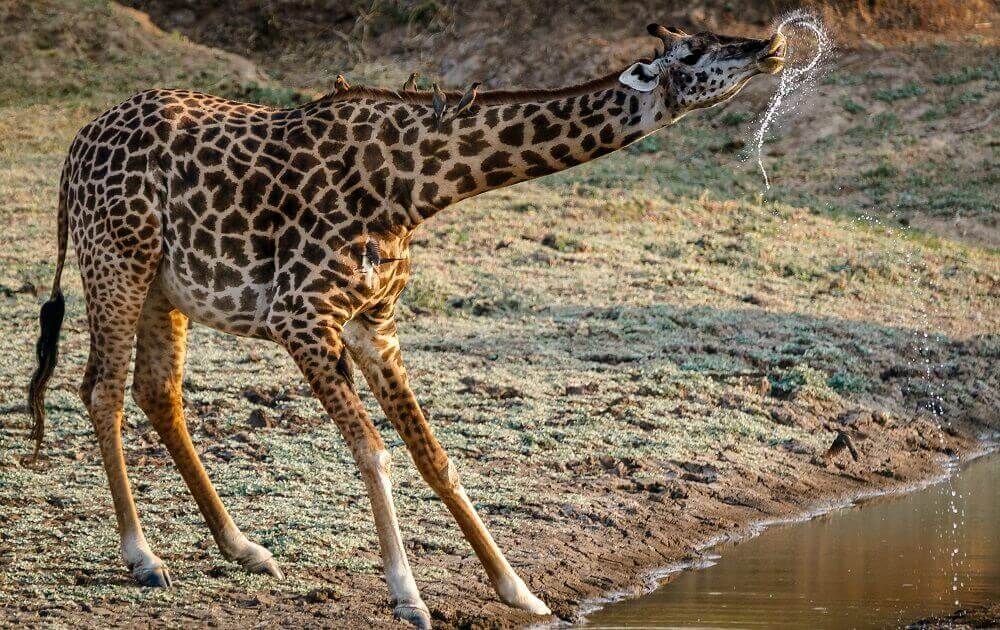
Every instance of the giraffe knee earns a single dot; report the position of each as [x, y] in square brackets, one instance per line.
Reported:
[155, 402]
[142, 396]
[86, 390]
[377, 464]
[442, 479]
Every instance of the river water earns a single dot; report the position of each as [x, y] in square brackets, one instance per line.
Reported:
[882, 563]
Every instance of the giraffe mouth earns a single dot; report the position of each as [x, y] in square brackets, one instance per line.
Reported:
[773, 59]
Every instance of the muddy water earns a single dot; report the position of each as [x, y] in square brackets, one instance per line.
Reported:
[885, 562]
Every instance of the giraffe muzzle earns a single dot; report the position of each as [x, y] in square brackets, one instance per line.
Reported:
[772, 57]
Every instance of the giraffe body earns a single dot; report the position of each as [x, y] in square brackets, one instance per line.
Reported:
[293, 225]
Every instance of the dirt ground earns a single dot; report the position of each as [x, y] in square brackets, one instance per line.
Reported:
[625, 360]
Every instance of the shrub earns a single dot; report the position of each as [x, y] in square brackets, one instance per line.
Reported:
[891, 95]
[844, 382]
[799, 380]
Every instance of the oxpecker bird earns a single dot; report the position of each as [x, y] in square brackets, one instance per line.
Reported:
[411, 83]
[341, 84]
[440, 102]
[466, 102]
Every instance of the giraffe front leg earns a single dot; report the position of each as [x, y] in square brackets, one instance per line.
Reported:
[375, 346]
[326, 367]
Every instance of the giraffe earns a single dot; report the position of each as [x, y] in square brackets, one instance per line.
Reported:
[294, 225]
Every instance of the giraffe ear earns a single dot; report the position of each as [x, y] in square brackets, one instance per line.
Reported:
[643, 77]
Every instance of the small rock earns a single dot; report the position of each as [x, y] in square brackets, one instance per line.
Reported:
[579, 390]
[259, 419]
[783, 417]
[699, 473]
[852, 417]
[321, 595]
[246, 438]
[266, 397]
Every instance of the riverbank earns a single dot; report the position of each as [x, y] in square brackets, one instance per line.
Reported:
[962, 619]
[622, 524]
[625, 360]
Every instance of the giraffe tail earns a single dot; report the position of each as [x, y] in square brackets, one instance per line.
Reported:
[47, 349]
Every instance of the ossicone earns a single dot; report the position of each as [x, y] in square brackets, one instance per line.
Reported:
[667, 34]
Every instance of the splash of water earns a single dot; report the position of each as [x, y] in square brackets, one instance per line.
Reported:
[934, 404]
[791, 79]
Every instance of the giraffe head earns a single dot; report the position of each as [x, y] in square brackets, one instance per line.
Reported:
[701, 70]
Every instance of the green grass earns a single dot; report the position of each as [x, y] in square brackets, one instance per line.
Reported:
[967, 74]
[885, 170]
[852, 107]
[891, 95]
[424, 294]
[733, 119]
[843, 382]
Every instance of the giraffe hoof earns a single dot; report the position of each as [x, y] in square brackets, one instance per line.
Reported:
[268, 566]
[156, 577]
[531, 604]
[415, 614]
[516, 595]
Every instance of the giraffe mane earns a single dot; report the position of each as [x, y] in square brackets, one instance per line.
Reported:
[490, 97]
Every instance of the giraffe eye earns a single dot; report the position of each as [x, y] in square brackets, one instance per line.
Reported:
[691, 59]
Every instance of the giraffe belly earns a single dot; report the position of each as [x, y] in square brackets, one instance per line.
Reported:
[235, 308]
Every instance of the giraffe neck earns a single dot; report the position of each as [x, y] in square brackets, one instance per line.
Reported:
[503, 139]
[500, 145]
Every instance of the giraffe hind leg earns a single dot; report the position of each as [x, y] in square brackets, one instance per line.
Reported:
[113, 312]
[156, 388]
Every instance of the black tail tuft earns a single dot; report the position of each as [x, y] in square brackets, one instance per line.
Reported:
[47, 350]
